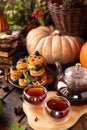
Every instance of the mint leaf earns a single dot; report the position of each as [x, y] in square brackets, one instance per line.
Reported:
[28, 78]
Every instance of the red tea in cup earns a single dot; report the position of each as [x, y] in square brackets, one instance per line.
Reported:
[57, 107]
[35, 95]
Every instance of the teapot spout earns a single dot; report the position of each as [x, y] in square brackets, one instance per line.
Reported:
[59, 70]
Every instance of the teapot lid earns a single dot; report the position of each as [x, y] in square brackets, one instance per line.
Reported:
[76, 72]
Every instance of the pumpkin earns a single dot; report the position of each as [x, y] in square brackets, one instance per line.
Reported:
[52, 45]
[83, 55]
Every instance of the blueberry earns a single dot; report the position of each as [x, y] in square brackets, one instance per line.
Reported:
[38, 78]
[37, 53]
[30, 85]
[37, 67]
[23, 60]
[5, 88]
[15, 81]
[21, 76]
[13, 67]
[27, 72]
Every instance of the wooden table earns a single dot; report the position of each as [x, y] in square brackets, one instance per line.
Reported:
[12, 100]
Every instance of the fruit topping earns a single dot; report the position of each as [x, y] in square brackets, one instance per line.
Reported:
[23, 60]
[15, 81]
[36, 53]
[37, 67]
[27, 72]
[38, 78]
[13, 67]
[30, 85]
[5, 88]
[21, 75]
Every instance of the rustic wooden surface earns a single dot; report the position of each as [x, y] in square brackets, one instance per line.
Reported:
[12, 99]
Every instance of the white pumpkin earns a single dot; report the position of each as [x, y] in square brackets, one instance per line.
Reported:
[52, 45]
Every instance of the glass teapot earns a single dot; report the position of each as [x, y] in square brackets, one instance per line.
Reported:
[72, 84]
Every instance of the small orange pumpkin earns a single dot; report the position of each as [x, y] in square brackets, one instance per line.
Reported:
[83, 55]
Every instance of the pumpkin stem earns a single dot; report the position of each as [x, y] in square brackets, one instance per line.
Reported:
[56, 32]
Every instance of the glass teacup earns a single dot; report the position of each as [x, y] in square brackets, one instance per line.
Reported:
[57, 107]
[35, 95]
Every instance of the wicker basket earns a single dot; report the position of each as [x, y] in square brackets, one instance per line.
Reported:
[69, 21]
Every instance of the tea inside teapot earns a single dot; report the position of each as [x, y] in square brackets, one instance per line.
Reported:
[73, 82]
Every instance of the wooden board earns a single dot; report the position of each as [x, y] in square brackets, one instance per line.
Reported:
[38, 119]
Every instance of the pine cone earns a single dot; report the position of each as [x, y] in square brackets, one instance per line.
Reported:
[68, 4]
